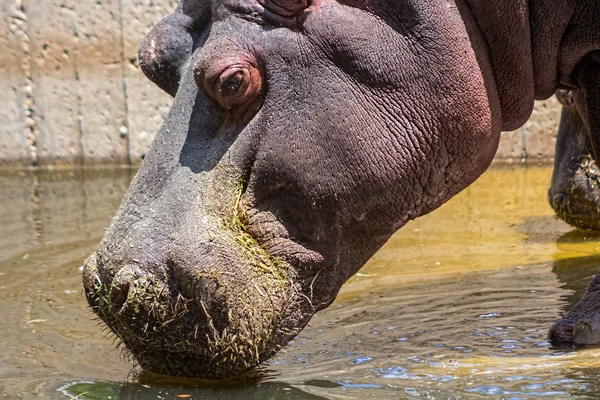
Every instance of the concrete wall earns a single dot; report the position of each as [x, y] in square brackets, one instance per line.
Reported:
[74, 93]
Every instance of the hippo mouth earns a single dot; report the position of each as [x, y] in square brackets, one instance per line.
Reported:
[211, 319]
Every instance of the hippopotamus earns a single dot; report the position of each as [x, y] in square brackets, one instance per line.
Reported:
[302, 135]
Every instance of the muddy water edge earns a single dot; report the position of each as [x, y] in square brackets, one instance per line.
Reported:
[456, 305]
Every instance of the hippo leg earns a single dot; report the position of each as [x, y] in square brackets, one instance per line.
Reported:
[574, 193]
[581, 325]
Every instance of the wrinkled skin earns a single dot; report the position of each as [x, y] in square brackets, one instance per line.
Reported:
[302, 135]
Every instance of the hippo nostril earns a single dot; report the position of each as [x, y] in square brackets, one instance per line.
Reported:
[118, 294]
[121, 284]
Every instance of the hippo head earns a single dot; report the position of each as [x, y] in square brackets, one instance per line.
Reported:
[575, 190]
[303, 133]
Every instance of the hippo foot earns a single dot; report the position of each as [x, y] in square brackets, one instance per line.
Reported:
[581, 325]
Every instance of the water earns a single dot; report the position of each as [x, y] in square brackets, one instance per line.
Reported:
[456, 305]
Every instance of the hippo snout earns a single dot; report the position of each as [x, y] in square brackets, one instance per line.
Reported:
[561, 332]
[571, 330]
[576, 199]
[210, 321]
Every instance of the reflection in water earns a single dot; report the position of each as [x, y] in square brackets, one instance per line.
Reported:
[457, 304]
[128, 391]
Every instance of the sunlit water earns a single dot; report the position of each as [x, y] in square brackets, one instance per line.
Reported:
[456, 305]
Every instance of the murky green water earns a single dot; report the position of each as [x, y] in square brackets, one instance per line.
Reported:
[457, 304]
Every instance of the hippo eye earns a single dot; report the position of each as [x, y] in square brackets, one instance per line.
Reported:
[232, 85]
[233, 80]
[235, 86]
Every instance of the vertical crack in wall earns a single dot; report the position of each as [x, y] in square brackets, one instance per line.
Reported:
[523, 143]
[127, 131]
[36, 208]
[19, 27]
[78, 82]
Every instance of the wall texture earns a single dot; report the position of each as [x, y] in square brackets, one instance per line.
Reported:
[74, 93]
[73, 90]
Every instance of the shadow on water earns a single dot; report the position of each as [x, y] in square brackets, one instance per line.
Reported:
[580, 260]
[579, 236]
[255, 385]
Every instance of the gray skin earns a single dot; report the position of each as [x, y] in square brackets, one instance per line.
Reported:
[302, 135]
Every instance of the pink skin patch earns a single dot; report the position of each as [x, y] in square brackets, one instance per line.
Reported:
[287, 13]
[285, 8]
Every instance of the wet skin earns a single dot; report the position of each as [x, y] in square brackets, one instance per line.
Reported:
[302, 135]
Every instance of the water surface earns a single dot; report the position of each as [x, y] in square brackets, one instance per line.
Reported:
[456, 305]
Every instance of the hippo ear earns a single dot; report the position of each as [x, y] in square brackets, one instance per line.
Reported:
[171, 42]
[164, 50]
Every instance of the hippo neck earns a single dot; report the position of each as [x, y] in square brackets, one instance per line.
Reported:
[505, 26]
[564, 32]
[527, 49]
